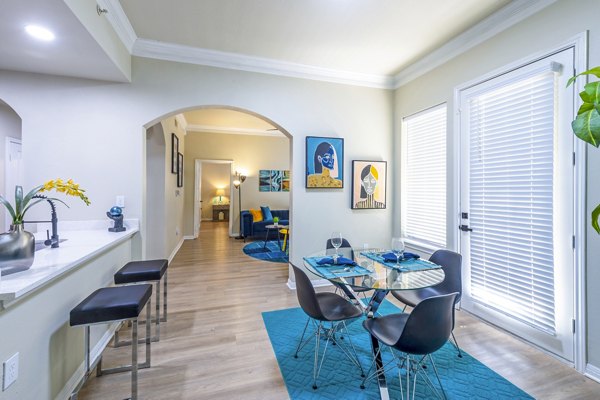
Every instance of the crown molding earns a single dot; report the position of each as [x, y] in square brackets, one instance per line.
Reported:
[220, 59]
[232, 130]
[501, 20]
[120, 23]
[511, 14]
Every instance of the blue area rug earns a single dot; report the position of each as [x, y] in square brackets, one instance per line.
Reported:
[272, 253]
[462, 378]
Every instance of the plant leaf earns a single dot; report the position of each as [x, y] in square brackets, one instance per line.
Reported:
[591, 93]
[594, 71]
[45, 199]
[33, 203]
[587, 127]
[18, 199]
[595, 215]
[9, 207]
[30, 195]
[585, 107]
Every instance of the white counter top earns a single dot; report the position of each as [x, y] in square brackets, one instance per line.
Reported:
[80, 246]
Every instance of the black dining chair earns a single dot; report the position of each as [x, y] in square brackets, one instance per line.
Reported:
[422, 332]
[320, 308]
[451, 263]
[345, 250]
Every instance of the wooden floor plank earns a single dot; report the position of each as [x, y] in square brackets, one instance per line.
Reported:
[215, 346]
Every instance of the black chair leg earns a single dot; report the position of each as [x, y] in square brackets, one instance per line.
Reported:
[455, 343]
[300, 345]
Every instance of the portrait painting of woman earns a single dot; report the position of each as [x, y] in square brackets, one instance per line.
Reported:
[324, 162]
[369, 184]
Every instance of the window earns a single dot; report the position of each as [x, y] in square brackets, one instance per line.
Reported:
[423, 186]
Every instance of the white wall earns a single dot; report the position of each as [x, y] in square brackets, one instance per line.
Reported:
[248, 152]
[174, 196]
[155, 187]
[214, 176]
[544, 31]
[10, 126]
[95, 133]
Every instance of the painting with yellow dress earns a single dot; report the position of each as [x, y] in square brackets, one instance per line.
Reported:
[324, 162]
[369, 179]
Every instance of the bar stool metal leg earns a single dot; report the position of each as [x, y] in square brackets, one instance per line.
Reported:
[145, 340]
[119, 343]
[165, 296]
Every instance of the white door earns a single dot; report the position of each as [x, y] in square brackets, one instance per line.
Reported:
[198, 198]
[13, 173]
[517, 196]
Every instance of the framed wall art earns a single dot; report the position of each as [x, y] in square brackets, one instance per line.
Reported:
[174, 152]
[179, 170]
[324, 162]
[273, 180]
[369, 184]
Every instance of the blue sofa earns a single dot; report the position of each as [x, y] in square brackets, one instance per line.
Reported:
[251, 228]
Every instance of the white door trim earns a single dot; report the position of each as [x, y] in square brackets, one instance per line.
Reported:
[197, 177]
[8, 173]
[579, 44]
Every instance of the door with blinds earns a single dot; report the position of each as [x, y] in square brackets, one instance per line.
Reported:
[517, 202]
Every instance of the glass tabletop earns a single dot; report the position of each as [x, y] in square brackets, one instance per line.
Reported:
[372, 272]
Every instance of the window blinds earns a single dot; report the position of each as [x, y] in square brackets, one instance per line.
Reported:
[511, 190]
[423, 204]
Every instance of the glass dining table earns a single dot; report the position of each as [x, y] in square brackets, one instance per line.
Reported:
[373, 272]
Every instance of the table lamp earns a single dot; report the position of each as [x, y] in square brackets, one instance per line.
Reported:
[220, 193]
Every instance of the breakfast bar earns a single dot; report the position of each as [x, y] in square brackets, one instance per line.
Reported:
[35, 305]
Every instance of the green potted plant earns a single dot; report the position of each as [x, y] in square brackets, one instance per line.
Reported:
[276, 221]
[17, 246]
[586, 125]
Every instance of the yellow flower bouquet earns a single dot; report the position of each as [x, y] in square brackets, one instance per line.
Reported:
[24, 203]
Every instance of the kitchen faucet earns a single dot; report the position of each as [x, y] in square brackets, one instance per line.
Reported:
[51, 241]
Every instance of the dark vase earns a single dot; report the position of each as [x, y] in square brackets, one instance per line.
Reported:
[17, 249]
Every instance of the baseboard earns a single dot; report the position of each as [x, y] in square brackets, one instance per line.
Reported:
[592, 372]
[174, 252]
[189, 238]
[96, 351]
[316, 283]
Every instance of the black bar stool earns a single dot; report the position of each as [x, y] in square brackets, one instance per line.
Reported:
[145, 272]
[114, 304]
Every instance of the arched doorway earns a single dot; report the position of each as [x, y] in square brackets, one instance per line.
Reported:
[178, 220]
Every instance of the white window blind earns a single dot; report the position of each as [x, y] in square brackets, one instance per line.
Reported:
[423, 200]
[511, 191]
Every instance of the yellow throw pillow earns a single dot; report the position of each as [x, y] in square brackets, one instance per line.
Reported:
[256, 215]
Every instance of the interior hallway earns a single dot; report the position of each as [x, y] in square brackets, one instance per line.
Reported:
[215, 346]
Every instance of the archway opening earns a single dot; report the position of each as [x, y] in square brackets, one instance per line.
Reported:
[242, 142]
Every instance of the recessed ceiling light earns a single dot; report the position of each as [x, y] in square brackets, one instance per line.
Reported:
[39, 33]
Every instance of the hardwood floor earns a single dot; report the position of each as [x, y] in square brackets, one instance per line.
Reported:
[215, 346]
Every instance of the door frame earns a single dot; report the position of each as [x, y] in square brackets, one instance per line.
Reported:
[197, 182]
[579, 44]
[10, 191]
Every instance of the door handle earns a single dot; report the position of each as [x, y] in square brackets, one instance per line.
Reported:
[465, 228]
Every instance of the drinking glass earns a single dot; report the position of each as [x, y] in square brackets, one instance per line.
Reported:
[398, 248]
[336, 242]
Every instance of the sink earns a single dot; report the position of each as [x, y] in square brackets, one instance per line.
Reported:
[39, 244]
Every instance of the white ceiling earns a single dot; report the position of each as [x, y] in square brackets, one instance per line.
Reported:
[373, 37]
[376, 43]
[74, 52]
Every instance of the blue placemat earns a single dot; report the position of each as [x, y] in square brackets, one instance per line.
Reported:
[329, 271]
[409, 265]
